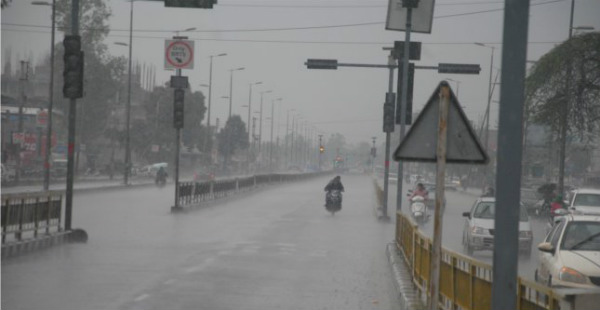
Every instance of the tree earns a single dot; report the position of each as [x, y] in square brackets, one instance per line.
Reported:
[232, 137]
[546, 87]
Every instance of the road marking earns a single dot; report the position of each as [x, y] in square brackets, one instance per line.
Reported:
[142, 297]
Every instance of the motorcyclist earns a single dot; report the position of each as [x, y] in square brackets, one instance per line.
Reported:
[335, 184]
[161, 175]
[420, 191]
[557, 204]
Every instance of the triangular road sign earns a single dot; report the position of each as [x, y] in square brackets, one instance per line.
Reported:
[420, 143]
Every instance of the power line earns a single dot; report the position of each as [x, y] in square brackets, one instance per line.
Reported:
[292, 41]
[285, 28]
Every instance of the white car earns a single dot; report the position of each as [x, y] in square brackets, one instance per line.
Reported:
[585, 201]
[478, 232]
[570, 253]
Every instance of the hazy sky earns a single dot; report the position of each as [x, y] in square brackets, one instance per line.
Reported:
[347, 100]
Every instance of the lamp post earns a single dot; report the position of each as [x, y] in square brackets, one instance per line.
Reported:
[48, 153]
[272, 122]
[208, 131]
[231, 86]
[457, 85]
[261, 118]
[250, 104]
[487, 110]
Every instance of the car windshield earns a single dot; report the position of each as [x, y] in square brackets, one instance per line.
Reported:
[592, 200]
[582, 236]
[486, 210]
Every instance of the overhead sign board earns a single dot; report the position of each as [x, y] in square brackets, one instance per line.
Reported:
[459, 68]
[421, 18]
[420, 143]
[330, 64]
[200, 4]
[179, 54]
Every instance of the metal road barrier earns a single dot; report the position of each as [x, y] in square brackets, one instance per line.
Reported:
[194, 193]
[465, 283]
[30, 213]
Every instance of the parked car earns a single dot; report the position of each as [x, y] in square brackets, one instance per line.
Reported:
[570, 253]
[478, 232]
[585, 201]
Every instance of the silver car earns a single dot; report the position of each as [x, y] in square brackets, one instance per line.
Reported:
[478, 232]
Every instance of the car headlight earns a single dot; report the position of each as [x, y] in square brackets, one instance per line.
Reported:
[571, 275]
[478, 230]
[525, 234]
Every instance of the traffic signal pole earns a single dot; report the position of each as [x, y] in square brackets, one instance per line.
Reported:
[72, 123]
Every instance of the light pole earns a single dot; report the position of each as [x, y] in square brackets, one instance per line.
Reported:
[231, 86]
[250, 104]
[287, 132]
[208, 129]
[487, 110]
[457, 85]
[261, 118]
[272, 122]
[48, 153]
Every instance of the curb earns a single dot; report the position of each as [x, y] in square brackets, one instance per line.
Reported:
[26, 246]
[407, 294]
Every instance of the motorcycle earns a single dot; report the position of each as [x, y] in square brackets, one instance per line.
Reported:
[418, 209]
[160, 181]
[333, 201]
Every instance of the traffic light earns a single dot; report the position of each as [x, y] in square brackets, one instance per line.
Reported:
[321, 149]
[388, 113]
[178, 96]
[409, 97]
[73, 73]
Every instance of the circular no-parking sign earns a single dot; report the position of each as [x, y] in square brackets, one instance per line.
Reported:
[179, 54]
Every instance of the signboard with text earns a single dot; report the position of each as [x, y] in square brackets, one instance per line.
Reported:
[179, 54]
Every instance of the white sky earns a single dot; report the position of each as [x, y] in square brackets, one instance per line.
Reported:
[348, 100]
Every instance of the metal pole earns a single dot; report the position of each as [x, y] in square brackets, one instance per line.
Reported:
[292, 141]
[177, 143]
[128, 109]
[436, 252]
[487, 117]
[271, 147]
[208, 129]
[386, 173]
[287, 125]
[230, 90]
[320, 153]
[71, 133]
[403, 103]
[48, 154]
[508, 172]
[249, 133]
[564, 117]
[260, 125]
[24, 71]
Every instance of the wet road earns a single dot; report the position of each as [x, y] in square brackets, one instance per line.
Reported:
[273, 249]
[460, 201]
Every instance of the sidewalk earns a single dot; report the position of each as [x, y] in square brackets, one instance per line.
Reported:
[78, 185]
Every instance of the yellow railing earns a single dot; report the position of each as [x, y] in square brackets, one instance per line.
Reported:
[465, 283]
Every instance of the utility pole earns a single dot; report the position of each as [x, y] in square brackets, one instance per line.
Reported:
[321, 150]
[22, 84]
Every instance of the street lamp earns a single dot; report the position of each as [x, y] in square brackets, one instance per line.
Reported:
[208, 135]
[487, 111]
[250, 103]
[231, 87]
[184, 30]
[260, 121]
[272, 122]
[48, 153]
[457, 85]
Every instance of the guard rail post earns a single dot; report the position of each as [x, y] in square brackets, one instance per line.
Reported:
[211, 191]
[35, 217]
[48, 209]
[18, 234]
[237, 185]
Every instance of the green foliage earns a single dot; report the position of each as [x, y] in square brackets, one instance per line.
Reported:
[232, 137]
[569, 74]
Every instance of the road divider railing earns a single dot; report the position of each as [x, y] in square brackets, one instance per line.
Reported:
[30, 213]
[465, 283]
[195, 193]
